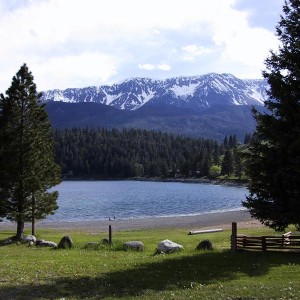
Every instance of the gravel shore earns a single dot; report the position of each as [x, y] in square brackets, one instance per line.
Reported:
[205, 221]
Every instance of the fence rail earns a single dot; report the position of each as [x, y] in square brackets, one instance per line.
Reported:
[285, 242]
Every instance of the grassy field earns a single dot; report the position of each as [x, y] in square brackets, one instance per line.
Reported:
[109, 273]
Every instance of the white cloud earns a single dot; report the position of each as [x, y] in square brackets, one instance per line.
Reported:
[148, 67]
[66, 43]
[86, 69]
[192, 51]
[151, 67]
[164, 67]
[242, 43]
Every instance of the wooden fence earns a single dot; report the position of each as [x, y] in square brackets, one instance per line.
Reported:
[285, 242]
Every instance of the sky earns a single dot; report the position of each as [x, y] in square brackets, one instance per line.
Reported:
[80, 43]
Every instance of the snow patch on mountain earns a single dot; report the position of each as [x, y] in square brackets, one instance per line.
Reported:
[144, 97]
[111, 98]
[219, 86]
[184, 91]
[58, 96]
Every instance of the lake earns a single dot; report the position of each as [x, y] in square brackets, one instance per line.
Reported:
[101, 200]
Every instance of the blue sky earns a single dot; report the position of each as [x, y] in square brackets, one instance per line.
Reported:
[78, 43]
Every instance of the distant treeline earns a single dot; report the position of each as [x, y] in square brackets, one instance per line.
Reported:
[103, 153]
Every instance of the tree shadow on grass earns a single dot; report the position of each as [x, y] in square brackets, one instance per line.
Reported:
[172, 272]
[7, 241]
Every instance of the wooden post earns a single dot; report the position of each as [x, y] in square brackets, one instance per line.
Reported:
[33, 214]
[109, 235]
[263, 244]
[233, 237]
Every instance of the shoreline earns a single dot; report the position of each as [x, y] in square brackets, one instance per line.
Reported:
[203, 180]
[205, 221]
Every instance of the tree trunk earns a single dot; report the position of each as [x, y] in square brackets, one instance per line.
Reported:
[20, 229]
[33, 216]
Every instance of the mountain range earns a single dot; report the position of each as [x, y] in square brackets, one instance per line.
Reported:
[211, 105]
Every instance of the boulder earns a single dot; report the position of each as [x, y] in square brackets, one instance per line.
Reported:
[134, 245]
[65, 242]
[92, 245]
[205, 245]
[168, 246]
[29, 239]
[105, 241]
[42, 243]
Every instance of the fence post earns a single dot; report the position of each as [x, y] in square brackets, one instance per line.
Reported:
[109, 235]
[233, 236]
[263, 244]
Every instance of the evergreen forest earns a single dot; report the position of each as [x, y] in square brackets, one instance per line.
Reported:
[106, 154]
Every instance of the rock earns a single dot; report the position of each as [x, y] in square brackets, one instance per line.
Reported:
[92, 245]
[105, 241]
[135, 245]
[37, 243]
[168, 246]
[205, 245]
[42, 243]
[65, 242]
[28, 238]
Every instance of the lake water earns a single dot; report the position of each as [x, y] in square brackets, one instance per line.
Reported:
[100, 200]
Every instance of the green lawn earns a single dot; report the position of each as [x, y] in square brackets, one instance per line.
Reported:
[108, 273]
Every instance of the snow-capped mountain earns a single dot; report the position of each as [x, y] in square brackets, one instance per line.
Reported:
[204, 91]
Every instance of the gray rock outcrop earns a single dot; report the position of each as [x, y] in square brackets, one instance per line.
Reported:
[134, 245]
[105, 241]
[168, 246]
[30, 239]
[65, 243]
[43, 243]
[205, 245]
[91, 245]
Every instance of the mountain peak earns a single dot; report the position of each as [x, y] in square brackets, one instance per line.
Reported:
[186, 91]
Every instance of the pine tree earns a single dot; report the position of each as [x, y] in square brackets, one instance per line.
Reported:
[225, 142]
[227, 164]
[238, 164]
[274, 158]
[27, 168]
[230, 142]
[247, 138]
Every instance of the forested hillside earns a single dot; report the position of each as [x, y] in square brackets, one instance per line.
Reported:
[214, 123]
[102, 153]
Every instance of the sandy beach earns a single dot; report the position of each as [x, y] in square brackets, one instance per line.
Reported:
[205, 221]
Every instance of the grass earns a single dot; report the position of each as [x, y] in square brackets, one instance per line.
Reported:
[110, 273]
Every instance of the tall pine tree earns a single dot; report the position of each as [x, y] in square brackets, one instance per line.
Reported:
[27, 167]
[227, 163]
[274, 158]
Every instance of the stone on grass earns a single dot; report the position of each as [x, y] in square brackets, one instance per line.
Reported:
[205, 245]
[134, 245]
[65, 242]
[92, 245]
[28, 239]
[168, 246]
[105, 241]
[43, 243]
